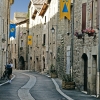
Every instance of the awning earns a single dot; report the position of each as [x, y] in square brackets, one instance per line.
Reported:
[43, 10]
[34, 14]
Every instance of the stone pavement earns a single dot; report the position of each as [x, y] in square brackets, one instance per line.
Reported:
[75, 94]
[45, 88]
[67, 94]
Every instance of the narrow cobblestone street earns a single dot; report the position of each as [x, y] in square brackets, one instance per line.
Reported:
[28, 85]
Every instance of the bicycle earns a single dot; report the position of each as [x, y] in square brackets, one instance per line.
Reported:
[5, 74]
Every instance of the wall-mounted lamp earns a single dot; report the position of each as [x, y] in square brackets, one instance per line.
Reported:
[24, 33]
[3, 38]
[2, 49]
[52, 29]
[9, 44]
[27, 31]
[68, 33]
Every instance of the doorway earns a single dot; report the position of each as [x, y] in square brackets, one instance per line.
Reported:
[43, 63]
[15, 63]
[85, 58]
[21, 63]
[94, 74]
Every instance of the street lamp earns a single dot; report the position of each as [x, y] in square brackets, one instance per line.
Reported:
[72, 40]
[52, 29]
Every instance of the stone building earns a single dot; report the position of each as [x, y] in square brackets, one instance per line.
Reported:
[19, 16]
[19, 45]
[85, 69]
[43, 16]
[4, 32]
[69, 53]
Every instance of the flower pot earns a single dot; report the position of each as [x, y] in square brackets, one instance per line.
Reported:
[53, 75]
[90, 34]
[68, 85]
[80, 36]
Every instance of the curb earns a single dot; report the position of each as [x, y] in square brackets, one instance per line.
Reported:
[8, 81]
[58, 89]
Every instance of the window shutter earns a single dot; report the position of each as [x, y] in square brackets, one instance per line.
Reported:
[98, 11]
[83, 16]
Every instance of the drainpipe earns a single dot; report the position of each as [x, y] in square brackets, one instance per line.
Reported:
[18, 67]
[7, 32]
[98, 70]
[72, 40]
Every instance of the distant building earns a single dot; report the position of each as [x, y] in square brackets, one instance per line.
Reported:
[20, 16]
[19, 49]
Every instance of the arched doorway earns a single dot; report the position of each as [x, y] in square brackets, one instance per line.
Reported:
[21, 63]
[85, 58]
[43, 63]
[15, 63]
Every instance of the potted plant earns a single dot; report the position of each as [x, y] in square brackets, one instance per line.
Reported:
[67, 82]
[43, 44]
[53, 71]
[79, 35]
[21, 48]
[90, 31]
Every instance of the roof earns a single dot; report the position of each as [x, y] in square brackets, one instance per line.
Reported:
[20, 14]
[11, 2]
[29, 4]
[23, 21]
[38, 2]
[40, 6]
[43, 9]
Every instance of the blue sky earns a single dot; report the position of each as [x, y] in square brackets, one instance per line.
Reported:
[19, 6]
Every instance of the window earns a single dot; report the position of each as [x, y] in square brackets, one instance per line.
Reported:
[83, 16]
[2, 25]
[44, 36]
[91, 13]
[37, 40]
[45, 19]
[31, 11]
[21, 43]
[98, 11]
[15, 47]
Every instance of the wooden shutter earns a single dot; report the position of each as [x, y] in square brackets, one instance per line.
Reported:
[98, 11]
[83, 16]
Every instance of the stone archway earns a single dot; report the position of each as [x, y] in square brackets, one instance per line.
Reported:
[43, 63]
[85, 58]
[21, 63]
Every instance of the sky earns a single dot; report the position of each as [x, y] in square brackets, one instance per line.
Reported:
[19, 6]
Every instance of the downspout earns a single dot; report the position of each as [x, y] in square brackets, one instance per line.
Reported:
[72, 40]
[7, 31]
[18, 46]
[98, 70]
[48, 39]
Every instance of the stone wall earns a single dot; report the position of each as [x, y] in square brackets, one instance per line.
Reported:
[84, 50]
[4, 24]
[85, 46]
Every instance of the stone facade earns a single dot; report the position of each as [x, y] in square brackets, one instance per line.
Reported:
[4, 32]
[20, 45]
[86, 50]
[19, 16]
[57, 49]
